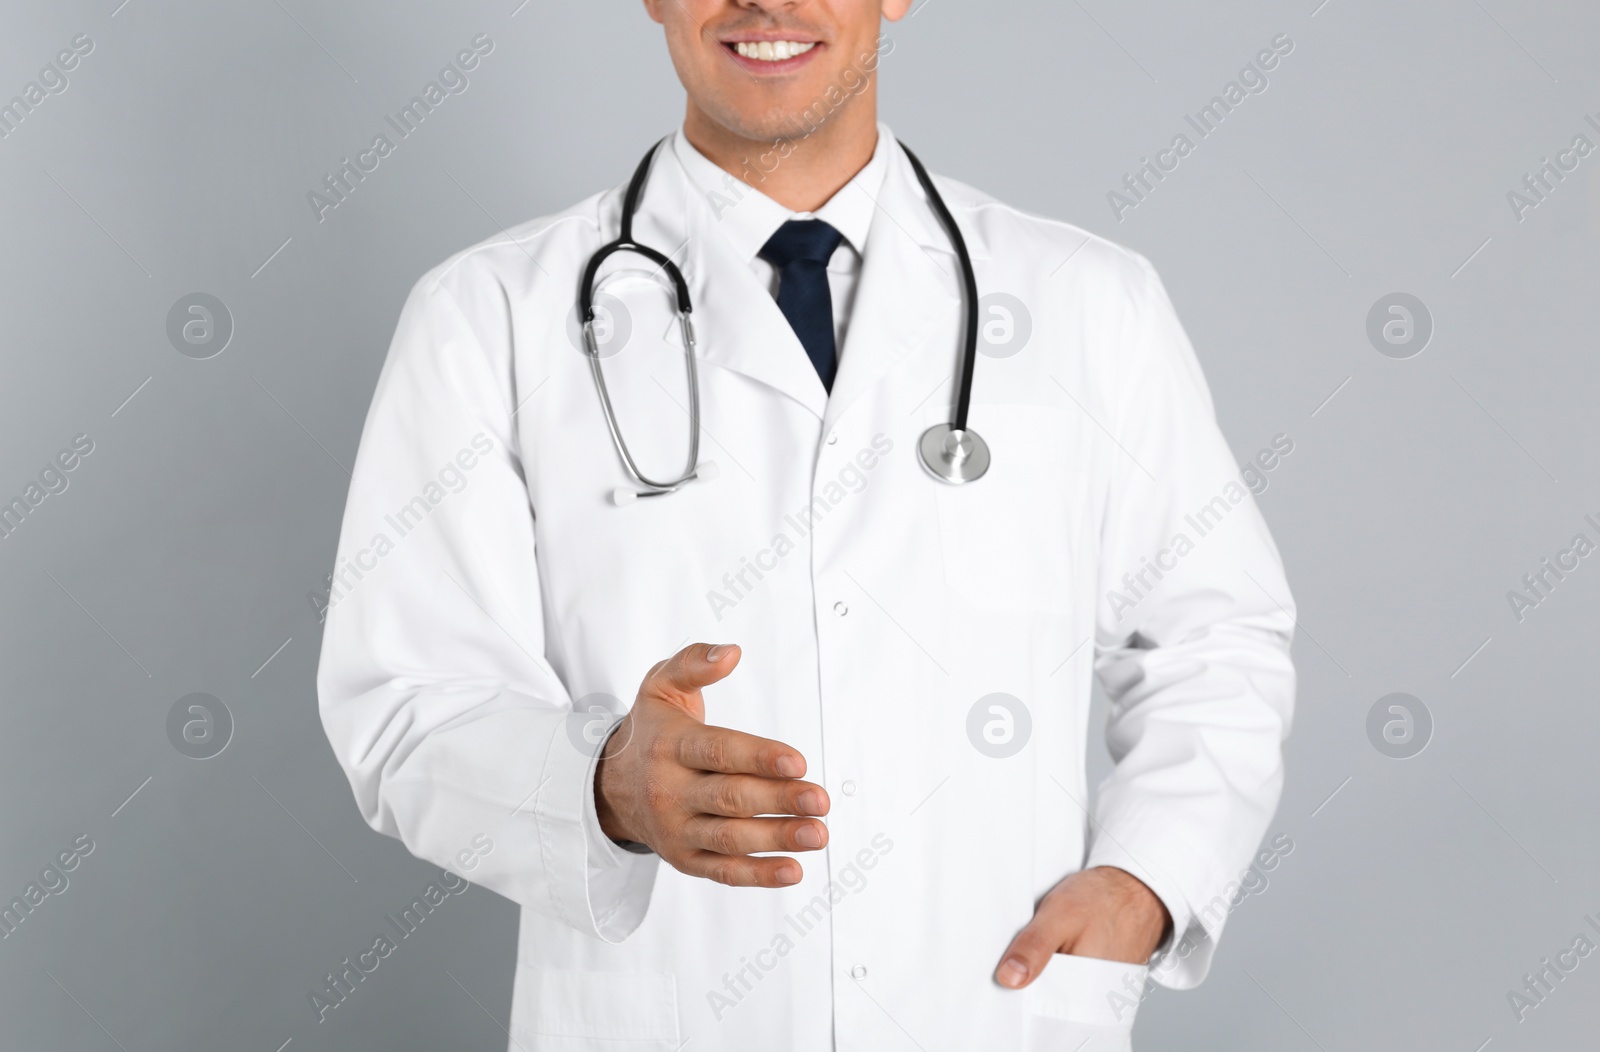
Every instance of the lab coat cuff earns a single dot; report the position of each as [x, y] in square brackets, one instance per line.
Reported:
[1175, 868]
[596, 886]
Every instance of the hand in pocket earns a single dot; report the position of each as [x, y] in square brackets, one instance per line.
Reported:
[1103, 913]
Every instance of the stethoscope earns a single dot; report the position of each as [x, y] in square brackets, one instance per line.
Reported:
[952, 452]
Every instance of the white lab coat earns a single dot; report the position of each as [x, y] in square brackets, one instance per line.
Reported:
[486, 586]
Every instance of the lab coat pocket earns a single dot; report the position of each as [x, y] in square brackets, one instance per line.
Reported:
[1083, 1004]
[1006, 537]
[573, 1011]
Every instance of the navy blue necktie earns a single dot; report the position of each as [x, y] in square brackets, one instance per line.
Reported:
[800, 250]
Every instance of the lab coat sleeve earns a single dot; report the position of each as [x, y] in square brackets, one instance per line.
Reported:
[457, 735]
[1193, 626]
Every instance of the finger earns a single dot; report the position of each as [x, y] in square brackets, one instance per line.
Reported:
[680, 677]
[735, 752]
[1052, 927]
[748, 795]
[740, 872]
[747, 836]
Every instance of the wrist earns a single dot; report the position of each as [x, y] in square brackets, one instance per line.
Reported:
[610, 818]
[1143, 906]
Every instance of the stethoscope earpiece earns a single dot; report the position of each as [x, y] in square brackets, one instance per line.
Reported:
[622, 496]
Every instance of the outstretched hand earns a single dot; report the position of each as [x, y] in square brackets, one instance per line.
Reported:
[693, 792]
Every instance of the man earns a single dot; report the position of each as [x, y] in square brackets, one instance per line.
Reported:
[869, 791]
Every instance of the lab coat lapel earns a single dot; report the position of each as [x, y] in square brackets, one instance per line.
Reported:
[907, 306]
[737, 323]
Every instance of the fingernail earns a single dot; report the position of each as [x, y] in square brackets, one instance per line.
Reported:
[1013, 973]
[788, 874]
[811, 802]
[715, 653]
[790, 766]
[808, 836]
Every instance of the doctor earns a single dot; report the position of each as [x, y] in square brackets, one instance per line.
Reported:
[793, 756]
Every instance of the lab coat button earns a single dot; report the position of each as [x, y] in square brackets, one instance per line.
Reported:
[848, 788]
[833, 438]
[859, 972]
[840, 609]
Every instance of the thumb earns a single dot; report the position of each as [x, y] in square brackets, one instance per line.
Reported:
[678, 679]
[1033, 947]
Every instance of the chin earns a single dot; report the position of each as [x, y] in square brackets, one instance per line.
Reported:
[783, 119]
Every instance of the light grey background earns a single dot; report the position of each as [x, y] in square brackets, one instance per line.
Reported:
[1419, 492]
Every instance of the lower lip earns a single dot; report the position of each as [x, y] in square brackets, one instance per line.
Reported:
[788, 65]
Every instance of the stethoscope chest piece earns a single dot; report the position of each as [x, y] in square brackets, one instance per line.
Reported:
[953, 456]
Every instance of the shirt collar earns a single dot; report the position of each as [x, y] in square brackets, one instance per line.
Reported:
[748, 217]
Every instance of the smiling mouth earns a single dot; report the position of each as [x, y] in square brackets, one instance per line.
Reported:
[770, 50]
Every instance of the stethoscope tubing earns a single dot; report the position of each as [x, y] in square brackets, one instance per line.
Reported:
[625, 242]
[969, 290]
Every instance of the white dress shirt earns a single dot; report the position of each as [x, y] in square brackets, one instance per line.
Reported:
[748, 218]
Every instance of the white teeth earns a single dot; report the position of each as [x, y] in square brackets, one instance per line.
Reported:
[773, 50]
